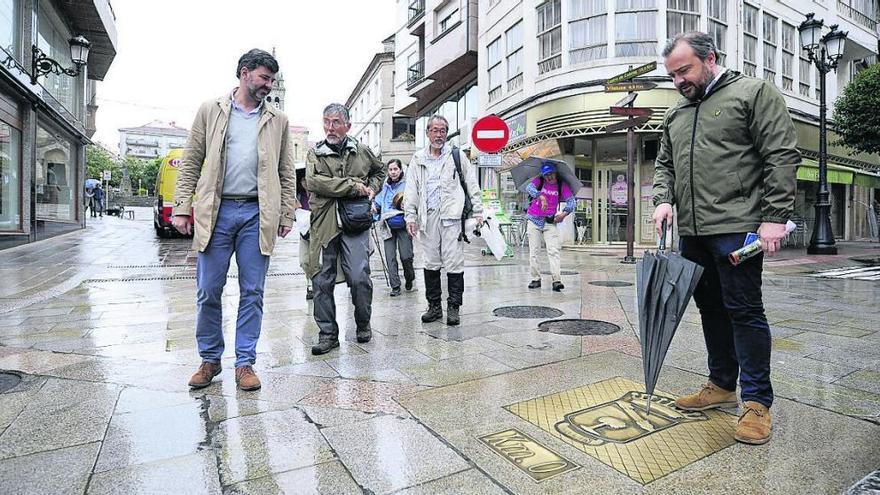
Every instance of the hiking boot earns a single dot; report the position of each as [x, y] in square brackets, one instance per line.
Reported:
[246, 379]
[324, 347]
[310, 294]
[434, 313]
[535, 284]
[364, 336]
[395, 291]
[754, 425]
[709, 397]
[202, 378]
[409, 274]
[557, 286]
[452, 317]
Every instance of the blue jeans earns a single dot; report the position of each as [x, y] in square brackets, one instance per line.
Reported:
[237, 230]
[734, 325]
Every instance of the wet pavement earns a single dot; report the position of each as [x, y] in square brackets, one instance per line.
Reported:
[99, 327]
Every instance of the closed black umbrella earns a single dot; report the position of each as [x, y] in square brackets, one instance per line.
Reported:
[665, 283]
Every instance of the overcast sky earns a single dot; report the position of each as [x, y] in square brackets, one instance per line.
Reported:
[174, 54]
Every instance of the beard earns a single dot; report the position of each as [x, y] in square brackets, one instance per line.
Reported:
[694, 91]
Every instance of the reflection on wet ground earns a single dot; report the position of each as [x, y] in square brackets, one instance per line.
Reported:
[99, 327]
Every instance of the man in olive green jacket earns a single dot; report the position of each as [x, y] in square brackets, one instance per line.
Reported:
[238, 163]
[338, 168]
[727, 160]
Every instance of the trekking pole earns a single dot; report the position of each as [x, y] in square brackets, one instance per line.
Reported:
[381, 256]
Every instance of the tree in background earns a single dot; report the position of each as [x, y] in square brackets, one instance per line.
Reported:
[99, 159]
[855, 112]
[143, 173]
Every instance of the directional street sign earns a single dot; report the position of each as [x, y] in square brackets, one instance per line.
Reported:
[626, 100]
[626, 76]
[625, 124]
[490, 134]
[632, 111]
[629, 86]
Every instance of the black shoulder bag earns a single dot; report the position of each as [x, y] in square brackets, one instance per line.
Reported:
[354, 213]
[468, 204]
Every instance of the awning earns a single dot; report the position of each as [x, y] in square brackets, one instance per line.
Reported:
[837, 174]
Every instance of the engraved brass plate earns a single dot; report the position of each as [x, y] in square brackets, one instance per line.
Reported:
[609, 421]
[524, 452]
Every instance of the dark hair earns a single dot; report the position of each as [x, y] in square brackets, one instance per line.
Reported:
[396, 162]
[702, 43]
[256, 58]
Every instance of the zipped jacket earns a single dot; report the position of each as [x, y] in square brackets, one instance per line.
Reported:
[728, 161]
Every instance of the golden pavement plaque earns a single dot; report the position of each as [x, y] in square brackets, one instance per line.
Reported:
[609, 421]
[524, 452]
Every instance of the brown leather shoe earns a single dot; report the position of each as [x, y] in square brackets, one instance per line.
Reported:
[754, 425]
[202, 378]
[246, 378]
[710, 397]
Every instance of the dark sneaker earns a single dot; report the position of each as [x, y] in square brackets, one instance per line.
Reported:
[434, 313]
[535, 284]
[364, 336]
[395, 292]
[408, 285]
[310, 294]
[246, 378]
[202, 378]
[324, 347]
[557, 286]
[452, 316]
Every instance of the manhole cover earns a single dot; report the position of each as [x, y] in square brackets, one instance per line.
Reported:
[563, 272]
[611, 283]
[527, 312]
[578, 327]
[8, 381]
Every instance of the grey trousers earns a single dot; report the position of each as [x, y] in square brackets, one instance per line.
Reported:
[353, 252]
[399, 240]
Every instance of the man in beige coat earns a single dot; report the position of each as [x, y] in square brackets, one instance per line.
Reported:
[238, 163]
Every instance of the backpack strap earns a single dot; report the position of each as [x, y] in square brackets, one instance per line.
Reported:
[456, 158]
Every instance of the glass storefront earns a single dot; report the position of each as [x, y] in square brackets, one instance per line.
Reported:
[55, 176]
[10, 178]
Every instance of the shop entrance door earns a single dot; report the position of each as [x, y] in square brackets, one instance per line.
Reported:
[611, 199]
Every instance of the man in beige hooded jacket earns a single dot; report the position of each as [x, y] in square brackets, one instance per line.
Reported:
[238, 163]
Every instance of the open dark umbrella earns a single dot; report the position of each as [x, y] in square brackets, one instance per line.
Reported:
[665, 283]
[530, 168]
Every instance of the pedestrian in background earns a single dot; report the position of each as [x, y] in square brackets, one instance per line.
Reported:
[98, 201]
[390, 215]
[439, 179]
[727, 160]
[548, 193]
[238, 162]
[342, 176]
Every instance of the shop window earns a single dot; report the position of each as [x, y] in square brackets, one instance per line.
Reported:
[10, 178]
[55, 176]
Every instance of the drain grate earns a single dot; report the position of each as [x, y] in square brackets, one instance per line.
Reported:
[563, 272]
[578, 327]
[603, 254]
[527, 312]
[611, 283]
[177, 277]
[8, 381]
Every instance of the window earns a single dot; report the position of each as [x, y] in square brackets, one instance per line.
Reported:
[804, 74]
[10, 23]
[717, 10]
[10, 178]
[52, 36]
[447, 17]
[55, 176]
[549, 36]
[864, 12]
[403, 127]
[588, 31]
[770, 42]
[682, 16]
[495, 69]
[635, 29]
[788, 49]
[514, 39]
[750, 39]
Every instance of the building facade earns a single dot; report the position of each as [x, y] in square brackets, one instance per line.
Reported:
[542, 67]
[299, 137]
[45, 126]
[152, 140]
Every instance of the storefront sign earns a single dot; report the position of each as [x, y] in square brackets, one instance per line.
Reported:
[834, 176]
[517, 126]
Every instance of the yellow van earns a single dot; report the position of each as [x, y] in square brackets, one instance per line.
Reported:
[166, 181]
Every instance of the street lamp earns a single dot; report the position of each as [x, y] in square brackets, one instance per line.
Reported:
[41, 64]
[824, 52]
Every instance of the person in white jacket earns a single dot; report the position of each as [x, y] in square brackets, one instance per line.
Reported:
[434, 201]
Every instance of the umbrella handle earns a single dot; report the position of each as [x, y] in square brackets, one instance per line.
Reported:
[663, 236]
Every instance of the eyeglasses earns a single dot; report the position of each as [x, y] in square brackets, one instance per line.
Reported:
[437, 131]
[335, 123]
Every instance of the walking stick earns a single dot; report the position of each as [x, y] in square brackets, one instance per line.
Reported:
[381, 256]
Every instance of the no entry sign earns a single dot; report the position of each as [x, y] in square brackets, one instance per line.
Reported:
[490, 134]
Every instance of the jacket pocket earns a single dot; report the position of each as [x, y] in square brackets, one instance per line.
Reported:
[732, 188]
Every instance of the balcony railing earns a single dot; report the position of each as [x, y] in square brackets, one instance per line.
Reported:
[855, 15]
[415, 73]
[416, 11]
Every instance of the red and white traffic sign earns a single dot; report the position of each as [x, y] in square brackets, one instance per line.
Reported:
[490, 134]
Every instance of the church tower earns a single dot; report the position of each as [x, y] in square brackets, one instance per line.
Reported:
[276, 96]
